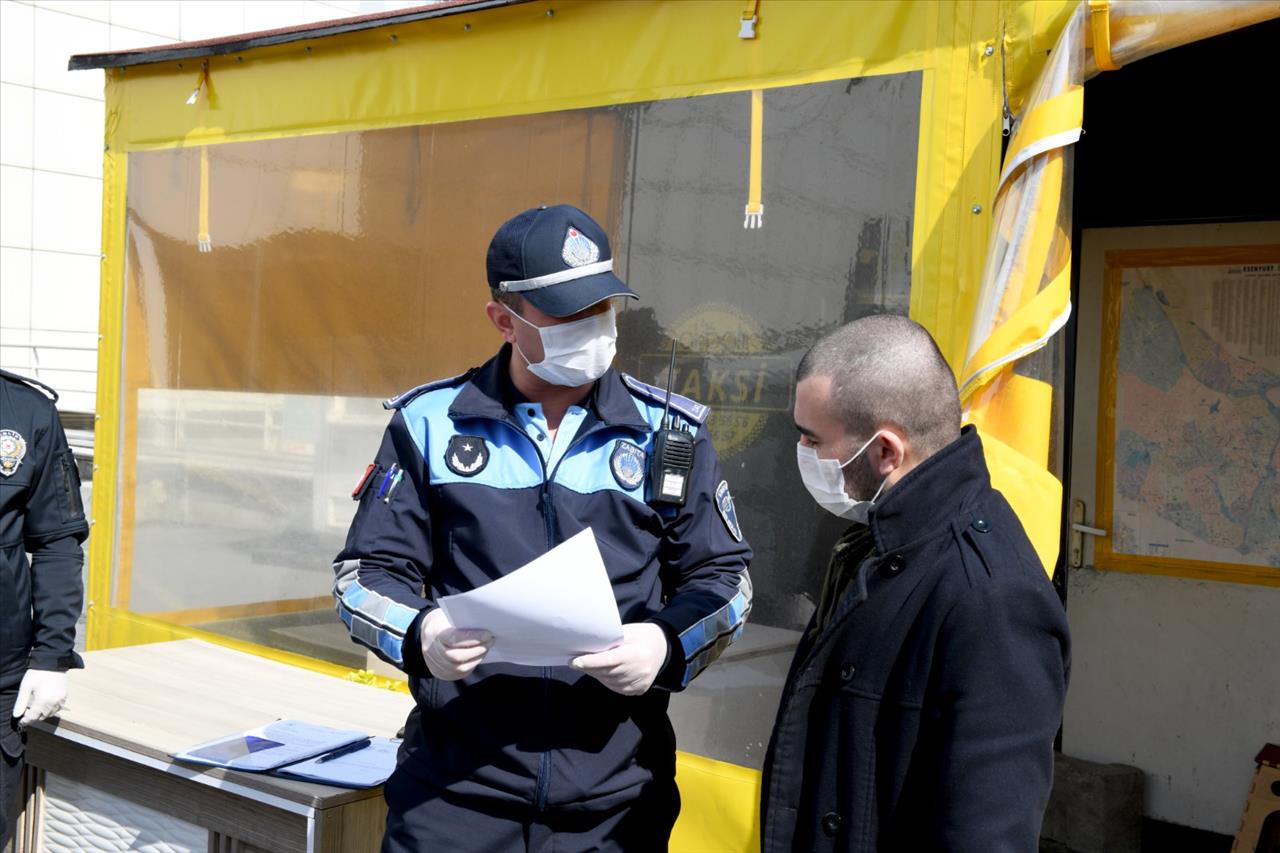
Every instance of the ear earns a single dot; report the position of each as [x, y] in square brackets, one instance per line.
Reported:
[502, 321]
[888, 452]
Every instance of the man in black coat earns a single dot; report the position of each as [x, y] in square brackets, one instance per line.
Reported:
[922, 703]
[40, 598]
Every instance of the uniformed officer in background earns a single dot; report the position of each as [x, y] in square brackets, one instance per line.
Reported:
[479, 474]
[40, 599]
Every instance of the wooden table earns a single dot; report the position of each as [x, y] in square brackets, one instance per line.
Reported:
[102, 770]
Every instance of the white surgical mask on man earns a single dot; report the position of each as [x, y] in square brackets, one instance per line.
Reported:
[576, 353]
[824, 478]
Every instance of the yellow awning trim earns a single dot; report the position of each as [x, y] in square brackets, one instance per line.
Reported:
[1100, 26]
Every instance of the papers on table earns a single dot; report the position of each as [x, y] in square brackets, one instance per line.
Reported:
[367, 767]
[270, 746]
[548, 611]
[545, 613]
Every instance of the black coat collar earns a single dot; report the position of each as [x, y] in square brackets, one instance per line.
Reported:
[931, 494]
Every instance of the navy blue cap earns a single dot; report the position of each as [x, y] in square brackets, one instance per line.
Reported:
[556, 257]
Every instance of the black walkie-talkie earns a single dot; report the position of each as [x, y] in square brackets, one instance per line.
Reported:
[672, 455]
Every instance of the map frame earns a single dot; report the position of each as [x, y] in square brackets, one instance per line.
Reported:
[1116, 263]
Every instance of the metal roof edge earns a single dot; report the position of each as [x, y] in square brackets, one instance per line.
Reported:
[249, 41]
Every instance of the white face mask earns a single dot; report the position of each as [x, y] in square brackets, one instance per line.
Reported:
[824, 478]
[576, 353]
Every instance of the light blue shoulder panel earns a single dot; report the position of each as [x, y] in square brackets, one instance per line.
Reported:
[510, 461]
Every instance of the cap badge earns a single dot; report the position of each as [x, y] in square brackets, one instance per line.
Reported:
[578, 250]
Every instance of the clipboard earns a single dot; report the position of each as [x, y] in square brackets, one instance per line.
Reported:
[266, 748]
[367, 767]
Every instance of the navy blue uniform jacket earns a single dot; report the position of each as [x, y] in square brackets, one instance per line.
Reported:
[40, 514]
[923, 716]
[482, 494]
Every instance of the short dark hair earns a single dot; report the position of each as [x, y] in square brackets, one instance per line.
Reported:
[511, 300]
[888, 370]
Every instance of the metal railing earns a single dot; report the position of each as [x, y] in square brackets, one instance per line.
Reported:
[33, 366]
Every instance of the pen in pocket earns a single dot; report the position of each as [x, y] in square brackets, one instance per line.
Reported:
[386, 480]
[395, 481]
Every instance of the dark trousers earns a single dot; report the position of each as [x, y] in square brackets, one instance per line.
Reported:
[420, 819]
[11, 763]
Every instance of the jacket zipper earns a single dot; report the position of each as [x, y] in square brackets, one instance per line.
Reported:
[542, 784]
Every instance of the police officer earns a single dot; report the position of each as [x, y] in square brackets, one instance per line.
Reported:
[479, 474]
[40, 599]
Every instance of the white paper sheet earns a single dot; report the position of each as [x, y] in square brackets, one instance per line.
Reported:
[548, 611]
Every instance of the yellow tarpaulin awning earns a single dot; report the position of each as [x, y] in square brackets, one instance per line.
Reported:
[980, 62]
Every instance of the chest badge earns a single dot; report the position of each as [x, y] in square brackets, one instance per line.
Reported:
[724, 503]
[13, 447]
[466, 455]
[627, 464]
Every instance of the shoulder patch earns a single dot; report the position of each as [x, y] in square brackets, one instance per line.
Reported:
[729, 513]
[34, 383]
[691, 410]
[404, 398]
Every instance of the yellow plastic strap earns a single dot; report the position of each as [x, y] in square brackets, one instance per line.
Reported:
[1018, 411]
[750, 9]
[203, 241]
[1055, 123]
[755, 207]
[1024, 333]
[202, 83]
[1016, 329]
[1100, 23]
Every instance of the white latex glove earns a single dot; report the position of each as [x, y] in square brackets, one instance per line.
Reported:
[451, 653]
[631, 666]
[41, 694]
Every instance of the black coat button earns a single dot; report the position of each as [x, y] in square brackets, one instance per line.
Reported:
[981, 525]
[848, 671]
[896, 564]
[831, 823]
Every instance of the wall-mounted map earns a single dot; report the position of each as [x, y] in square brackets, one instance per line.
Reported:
[1195, 474]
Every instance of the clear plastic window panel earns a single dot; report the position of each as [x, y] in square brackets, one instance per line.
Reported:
[345, 268]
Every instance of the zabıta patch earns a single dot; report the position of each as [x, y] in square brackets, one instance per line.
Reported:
[627, 463]
[466, 455]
